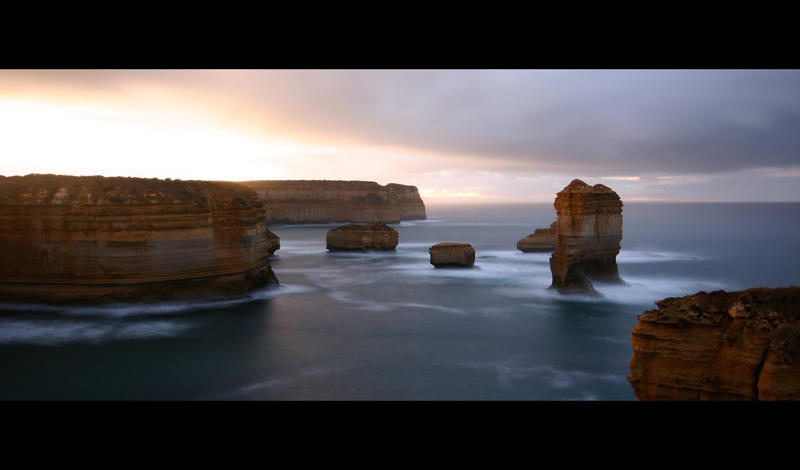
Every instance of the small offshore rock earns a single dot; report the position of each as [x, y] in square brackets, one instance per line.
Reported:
[372, 236]
[452, 254]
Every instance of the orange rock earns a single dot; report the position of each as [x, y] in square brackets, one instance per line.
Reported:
[372, 236]
[541, 240]
[308, 201]
[452, 254]
[719, 346]
[589, 232]
[94, 239]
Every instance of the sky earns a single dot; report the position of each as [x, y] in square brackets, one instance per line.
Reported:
[460, 136]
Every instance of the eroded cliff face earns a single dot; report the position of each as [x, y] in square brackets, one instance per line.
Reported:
[719, 346]
[308, 201]
[589, 232]
[94, 239]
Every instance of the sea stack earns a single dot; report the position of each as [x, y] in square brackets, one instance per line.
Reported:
[542, 240]
[452, 254]
[93, 239]
[589, 232]
[321, 202]
[719, 346]
[372, 236]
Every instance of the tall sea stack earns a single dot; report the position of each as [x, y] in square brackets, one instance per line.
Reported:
[589, 232]
[96, 239]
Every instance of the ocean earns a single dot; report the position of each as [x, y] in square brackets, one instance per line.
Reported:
[389, 326]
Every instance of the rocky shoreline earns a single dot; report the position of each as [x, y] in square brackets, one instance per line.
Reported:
[719, 345]
[99, 239]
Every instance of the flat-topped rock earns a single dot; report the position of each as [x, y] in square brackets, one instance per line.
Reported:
[452, 254]
[92, 239]
[542, 240]
[719, 345]
[321, 201]
[372, 236]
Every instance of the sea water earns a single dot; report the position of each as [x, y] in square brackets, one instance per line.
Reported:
[390, 326]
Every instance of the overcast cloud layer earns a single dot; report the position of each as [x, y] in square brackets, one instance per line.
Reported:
[643, 123]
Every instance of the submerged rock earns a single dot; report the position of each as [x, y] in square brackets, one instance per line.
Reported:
[372, 236]
[719, 346]
[589, 232]
[452, 254]
[541, 240]
[96, 239]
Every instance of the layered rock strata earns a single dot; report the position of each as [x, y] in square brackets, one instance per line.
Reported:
[719, 346]
[452, 254]
[541, 240]
[95, 239]
[372, 236]
[273, 242]
[589, 232]
[308, 201]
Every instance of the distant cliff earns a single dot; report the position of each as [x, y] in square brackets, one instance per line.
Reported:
[719, 346]
[94, 239]
[320, 201]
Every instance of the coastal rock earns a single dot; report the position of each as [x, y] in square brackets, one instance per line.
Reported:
[719, 346]
[309, 201]
[452, 254]
[372, 236]
[541, 240]
[273, 242]
[589, 232]
[96, 239]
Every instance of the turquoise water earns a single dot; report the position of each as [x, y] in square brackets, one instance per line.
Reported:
[389, 326]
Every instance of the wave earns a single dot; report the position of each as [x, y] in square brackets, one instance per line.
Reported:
[282, 381]
[509, 371]
[161, 308]
[637, 256]
[49, 332]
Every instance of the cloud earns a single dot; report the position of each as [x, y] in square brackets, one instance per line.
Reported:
[619, 122]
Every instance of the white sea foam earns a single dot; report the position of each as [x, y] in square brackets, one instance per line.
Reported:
[637, 256]
[283, 381]
[161, 308]
[509, 371]
[49, 332]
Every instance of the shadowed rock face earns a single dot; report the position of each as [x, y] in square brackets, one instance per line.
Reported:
[719, 346]
[95, 239]
[541, 240]
[452, 254]
[372, 236]
[308, 201]
[273, 242]
[589, 232]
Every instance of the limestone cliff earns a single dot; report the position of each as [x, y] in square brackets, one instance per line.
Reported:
[372, 236]
[94, 238]
[719, 346]
[589, 232]
[308, 201]
[541, 240]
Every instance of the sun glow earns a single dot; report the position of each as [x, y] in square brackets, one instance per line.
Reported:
[86, 139]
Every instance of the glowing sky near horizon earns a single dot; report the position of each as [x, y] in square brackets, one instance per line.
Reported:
[459, 136]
